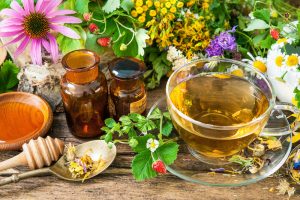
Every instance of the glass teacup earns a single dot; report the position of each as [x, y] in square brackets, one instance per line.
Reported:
[219, 106]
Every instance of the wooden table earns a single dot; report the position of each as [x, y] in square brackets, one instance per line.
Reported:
[117, 181]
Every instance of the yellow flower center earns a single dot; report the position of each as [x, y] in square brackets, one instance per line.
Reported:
[152, 145]
[292, 60]
[279, 60]
[282, 40]
[36, 25]
[238, 72]
[260, 66]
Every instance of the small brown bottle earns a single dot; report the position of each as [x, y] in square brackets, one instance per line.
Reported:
[127, 89]
[84, 93]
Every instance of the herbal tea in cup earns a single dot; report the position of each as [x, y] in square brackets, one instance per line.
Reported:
[218, 107]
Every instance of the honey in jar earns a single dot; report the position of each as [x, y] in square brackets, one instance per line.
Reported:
[127, 89]
[84, 93]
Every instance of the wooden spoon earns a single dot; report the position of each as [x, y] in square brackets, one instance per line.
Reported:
[96, 148]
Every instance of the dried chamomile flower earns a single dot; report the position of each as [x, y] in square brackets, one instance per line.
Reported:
[258, 150]
[284, 188]
[70, 152]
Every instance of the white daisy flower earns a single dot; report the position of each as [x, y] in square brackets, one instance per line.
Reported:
[281, 42]
[258, 62]
[152, 144]
[275, 63]
[235, 70]
[292, 62]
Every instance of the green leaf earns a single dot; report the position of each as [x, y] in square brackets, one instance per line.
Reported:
[267, 43]
[82, 6]
[111, 5]
[263, 14]
[168, 152]
[133, 142]
[106, 129]
[142, 166]
[91, 43]
[167, 128]
[167, 115]
[125, 120]
[258, 38]
[257, 24]
[155, 114]
[142, 141]
[141, 37]
[8, 76]
[108, 137]
[110, 122]
[127, 5]
[145, 125]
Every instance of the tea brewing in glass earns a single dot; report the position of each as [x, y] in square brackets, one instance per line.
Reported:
[218, 106]
[84, 93]
[127, 89]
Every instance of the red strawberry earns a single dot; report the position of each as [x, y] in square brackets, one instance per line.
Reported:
[104, 42]
[274, 33]
[93, 28]
[159, 167]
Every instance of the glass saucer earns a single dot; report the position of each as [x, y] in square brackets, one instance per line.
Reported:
[190, 168]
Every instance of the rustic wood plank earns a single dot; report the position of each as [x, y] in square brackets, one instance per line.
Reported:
[118, 183]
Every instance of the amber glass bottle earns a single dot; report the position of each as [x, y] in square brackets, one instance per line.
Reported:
[84, 93]
[127, 89]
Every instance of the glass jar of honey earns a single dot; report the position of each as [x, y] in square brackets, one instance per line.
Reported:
[84, 93]
[127, 89]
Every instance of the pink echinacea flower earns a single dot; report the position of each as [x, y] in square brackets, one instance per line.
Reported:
[32, 24]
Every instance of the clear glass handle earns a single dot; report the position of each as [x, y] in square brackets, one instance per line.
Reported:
[278, 124]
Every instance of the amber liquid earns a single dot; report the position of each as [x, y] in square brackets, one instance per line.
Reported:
[18, 120]
[222, 101]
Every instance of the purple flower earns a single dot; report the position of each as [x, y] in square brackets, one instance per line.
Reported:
[214, 49]
[226, 41]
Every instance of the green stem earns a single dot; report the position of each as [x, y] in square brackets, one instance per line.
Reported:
[249, 40]
[282, 77]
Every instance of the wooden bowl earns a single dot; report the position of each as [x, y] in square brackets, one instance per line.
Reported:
[23, 116]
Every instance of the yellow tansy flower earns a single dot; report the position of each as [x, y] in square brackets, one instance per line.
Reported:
[142, 19]
[134, 13]
[164, 11]
[157, 4]
[292, 60]
[145, 8]
[168, 5]
[173, 1]
[139, 10]
[180, 4]
[139, 3]
[190, 3]
[149, 3]
[152, 13]
[205, 6]
[173, 10]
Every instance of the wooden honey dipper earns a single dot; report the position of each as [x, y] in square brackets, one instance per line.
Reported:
[36, 154]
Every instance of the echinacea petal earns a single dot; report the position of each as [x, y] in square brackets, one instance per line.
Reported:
[39, 4]
[22, 46]
[38, 51]
[65, 19]
[31, 5]
[8, 34]
[53, 47]
[17, 39]
[11, 13]
[11, 27]
[16, 6]
[65, 31]
[46, 45]
[11, 21]
[60, 12]
[53, 4]
[33, 52]
[26, 6]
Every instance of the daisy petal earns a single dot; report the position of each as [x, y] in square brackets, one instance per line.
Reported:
[22, 46]
[65, 19]
[53, 47]
[18, 38]
[46, 45]
[60, 12]
[16, 6]
[65, 31]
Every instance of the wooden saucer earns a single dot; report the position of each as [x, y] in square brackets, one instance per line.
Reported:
[36, 115]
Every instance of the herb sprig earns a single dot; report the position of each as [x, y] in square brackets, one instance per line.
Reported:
[148, 137]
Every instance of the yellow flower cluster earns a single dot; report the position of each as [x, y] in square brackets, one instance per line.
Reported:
[192, 35]
[151, 9]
